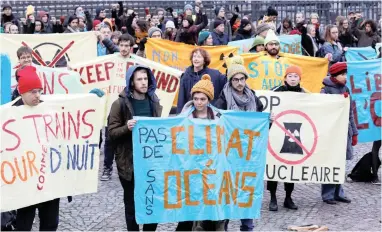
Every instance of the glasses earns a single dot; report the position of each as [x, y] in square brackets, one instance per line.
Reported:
[235, 80]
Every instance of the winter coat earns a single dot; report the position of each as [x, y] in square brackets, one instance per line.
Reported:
[242, 34]
[221, 102]
[336, 51]
[332, 88]
[190, 35]
[189, 78]
[107, 47]
[307, 42]
[219, 39]
[12, 18]
[285, 88]
[346, 39]
[119, 134]
[365, 39]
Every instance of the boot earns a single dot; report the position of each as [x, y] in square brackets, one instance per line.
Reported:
[289, 204]
[273, 205]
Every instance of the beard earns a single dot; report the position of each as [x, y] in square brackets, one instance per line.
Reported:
[273, 51]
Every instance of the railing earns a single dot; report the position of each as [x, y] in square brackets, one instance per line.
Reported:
[328, 10]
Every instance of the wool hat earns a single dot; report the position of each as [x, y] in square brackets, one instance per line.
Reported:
[202, 37]
[258, 41]
[189, 19]
[294, 69]
[71, 18]
[152, 30]
[96, 22]
[272, 12]
[28, 79]
[271, 36]
[29, 11]
[204, 86]
[7, 5]
[217, 9]
[235, 65]
[244, 23]
[337, 68]
[170, 24]
[263, 27]
[218, 22]
[188, 7]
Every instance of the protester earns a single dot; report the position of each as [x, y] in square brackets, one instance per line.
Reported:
[367, 37]
[170, 31]
[115, 37]
[137, 99]
[286, 27]
[314, 20]
[245, 30]
[309, 41]
[7, 25]
[100, 14]
[102, 35]
[155, 33]
[13, 29]
[332, 50]
[188, 32]
[345, 37]
[200, 60]
[219, 37]
[272, 44]
[263, 29]
[220, 16]
[125, 43]
[257, 45]
[205, 39]
[96, 25]
[299, 17]
[336, 84]
[8, 16]
[72, 25]
[298, 29]
[46, 24]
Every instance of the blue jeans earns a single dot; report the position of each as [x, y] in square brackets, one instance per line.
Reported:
[108, 152]
[246, 225]
[331, 191]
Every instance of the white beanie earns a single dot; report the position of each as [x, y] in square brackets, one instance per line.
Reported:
[271, 36]
[170, 24]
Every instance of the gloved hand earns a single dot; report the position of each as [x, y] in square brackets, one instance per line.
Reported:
[170, 10]
[354, 140]
[237, 9]
[142, 44]
[346, 94]
[97, 92]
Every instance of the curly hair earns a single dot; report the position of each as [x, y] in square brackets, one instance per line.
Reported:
[204, 53]
[372, 24]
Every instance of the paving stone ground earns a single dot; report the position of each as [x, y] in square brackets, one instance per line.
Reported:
[104, 210]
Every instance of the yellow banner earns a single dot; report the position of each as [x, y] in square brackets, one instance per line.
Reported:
[266, 72]
[177, 55]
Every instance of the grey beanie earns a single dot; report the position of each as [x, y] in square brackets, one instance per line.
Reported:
[152, 30]
[263, 27]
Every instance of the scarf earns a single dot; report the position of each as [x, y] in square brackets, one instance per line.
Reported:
[245, 102]
[296, 88]
[315, 47]
[72, 30]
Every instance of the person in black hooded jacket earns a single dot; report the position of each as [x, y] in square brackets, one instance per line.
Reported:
[7, 15]
[244, 31]
[292, 83]
[100, 14]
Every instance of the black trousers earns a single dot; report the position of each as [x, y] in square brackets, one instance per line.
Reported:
[48, 213]
[272, 186]
[374, 158]
[184, 226]
[128, 199]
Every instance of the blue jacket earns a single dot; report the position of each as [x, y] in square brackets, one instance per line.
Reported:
[334, 49]
[107, 48]
[189, 78]
[219, 39]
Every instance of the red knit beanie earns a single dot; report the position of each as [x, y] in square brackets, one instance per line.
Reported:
[28, 79]
[96, 22]
[337, 68]
[294, 69]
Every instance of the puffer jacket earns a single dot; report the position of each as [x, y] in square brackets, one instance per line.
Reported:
[331, 88]
[119, 134]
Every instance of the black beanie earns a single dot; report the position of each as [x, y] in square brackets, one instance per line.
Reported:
[71, 18]
[217, 22]
[272, 12]
[7, 5]
[244, 23]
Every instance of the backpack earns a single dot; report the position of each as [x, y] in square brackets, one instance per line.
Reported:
[362, 171]
[113, 143]
[8, 220]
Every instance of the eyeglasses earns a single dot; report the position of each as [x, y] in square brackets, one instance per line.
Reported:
[235, 80]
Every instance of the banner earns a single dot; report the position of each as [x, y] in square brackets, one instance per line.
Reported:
[360, 54]
[108, 73]
[304, 146]
[288, 44]
[5, 81]
[50, 150]
[193, 169]
[364, 83]
[52, 50]
[266, 72]
[177, 55]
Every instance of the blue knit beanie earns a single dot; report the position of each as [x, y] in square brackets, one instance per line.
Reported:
[202, 37]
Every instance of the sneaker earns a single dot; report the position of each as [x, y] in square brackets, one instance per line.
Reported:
[106, 175]
[376, 182]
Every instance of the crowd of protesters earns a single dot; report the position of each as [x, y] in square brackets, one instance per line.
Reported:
[126, 32]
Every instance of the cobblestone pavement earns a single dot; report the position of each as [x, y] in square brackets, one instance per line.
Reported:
[104, 210]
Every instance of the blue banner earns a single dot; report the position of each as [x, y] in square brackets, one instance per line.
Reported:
[364, 83]
[196, 169]
[5, 82]
[360, 54]
[288, 44]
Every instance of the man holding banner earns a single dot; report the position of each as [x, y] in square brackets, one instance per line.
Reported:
[137, 99]
[336, 84]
